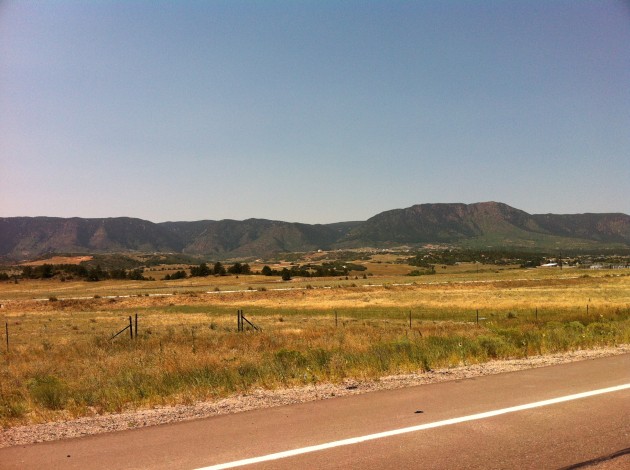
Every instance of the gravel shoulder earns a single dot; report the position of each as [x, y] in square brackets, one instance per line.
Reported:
[22, 435]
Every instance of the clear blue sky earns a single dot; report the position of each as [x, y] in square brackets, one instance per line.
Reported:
[311, 111]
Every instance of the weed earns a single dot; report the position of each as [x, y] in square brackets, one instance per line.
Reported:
[12, 406]
[49, 391]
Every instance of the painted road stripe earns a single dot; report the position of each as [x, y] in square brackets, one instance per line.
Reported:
[420, 427]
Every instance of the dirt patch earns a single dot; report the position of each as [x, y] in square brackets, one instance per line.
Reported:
[22, 435]
[59, 260]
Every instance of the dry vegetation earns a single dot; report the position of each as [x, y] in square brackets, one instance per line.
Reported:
[63, 363]
[59, 260]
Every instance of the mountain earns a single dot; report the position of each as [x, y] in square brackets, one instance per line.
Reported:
[606, 228]
[489, 224]
[252, 237]
[471, 225]
[26, 237]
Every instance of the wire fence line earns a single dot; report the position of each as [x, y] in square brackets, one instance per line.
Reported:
[32, 329]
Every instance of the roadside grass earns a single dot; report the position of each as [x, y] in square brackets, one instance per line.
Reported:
[63, 363]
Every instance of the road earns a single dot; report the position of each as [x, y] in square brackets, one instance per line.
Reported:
[416, 427]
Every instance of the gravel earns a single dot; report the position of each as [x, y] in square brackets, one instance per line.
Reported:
[22, 435]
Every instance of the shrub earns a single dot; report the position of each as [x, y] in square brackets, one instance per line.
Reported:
[48, 391]
[289, 363]
[422, 272]
[494, 347]
[12, 406]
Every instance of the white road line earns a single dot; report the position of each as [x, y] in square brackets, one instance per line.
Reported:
[420, 427]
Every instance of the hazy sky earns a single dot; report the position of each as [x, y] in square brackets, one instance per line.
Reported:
[311, 111]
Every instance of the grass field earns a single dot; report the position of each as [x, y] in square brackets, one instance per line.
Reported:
[61, 361]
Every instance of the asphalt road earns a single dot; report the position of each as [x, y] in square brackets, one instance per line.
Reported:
[553, 436]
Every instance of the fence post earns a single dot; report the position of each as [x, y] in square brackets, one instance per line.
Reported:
[336, 320]
[6, 327]
[477, 316]
[587, 309]
[409, 319]
[243, 320]
[130, 327]
[536, 313]
[136, 326]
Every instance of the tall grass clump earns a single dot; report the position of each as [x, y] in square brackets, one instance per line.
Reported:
[48, 391]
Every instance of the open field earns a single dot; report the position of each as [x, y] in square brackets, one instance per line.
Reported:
[61, 361]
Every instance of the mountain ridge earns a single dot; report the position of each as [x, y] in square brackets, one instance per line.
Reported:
[481, 224]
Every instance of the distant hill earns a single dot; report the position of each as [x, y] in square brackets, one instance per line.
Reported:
[487, 224]
[27, 237]
[252, 237]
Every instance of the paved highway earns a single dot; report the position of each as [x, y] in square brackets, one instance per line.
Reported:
[552, 417]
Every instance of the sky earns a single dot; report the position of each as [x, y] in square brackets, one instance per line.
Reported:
[311, 111]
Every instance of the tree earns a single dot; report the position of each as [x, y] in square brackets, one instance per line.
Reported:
[47, 271]
[286, 275]
[266, 271]
[219, 269]
[96, 274]
[136, 275]
[118, 273]
[178, 275]
[199, 271]
[236, 268]
[27, 272]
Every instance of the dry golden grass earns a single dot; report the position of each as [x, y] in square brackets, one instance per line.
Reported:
[62, 361]
[509, 289]
[59, 260]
